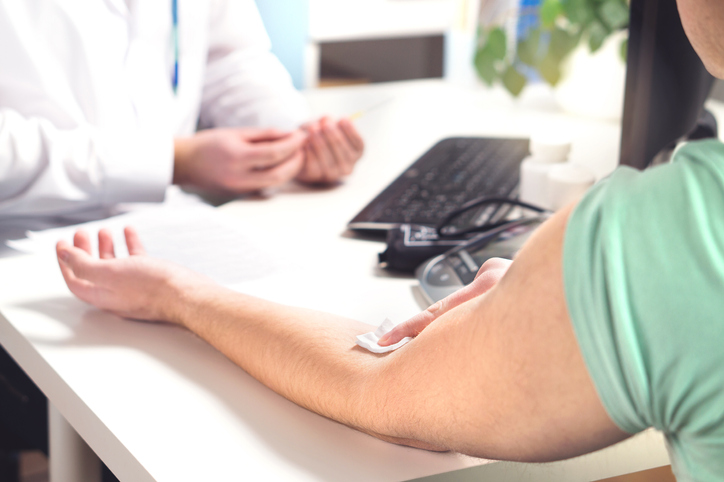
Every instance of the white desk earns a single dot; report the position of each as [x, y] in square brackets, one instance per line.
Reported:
[156, 403]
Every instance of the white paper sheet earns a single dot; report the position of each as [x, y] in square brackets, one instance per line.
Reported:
[194, 236]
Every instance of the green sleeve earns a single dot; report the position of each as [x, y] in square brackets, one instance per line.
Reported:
[643, 270]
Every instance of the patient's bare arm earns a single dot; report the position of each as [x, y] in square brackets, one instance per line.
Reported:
[498, 376]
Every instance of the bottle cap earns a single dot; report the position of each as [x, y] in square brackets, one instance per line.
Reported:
[551, 147]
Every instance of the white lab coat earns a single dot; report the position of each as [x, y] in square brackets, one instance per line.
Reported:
[87, 109]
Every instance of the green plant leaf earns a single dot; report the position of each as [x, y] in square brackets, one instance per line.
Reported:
[596, 35]
[562, 43]
[549, 12]
[513, 81]
[614, 13]
[485, 66]
[496, 43]
[528, 48]
[578, 12]
[550, 68]
[623, 52]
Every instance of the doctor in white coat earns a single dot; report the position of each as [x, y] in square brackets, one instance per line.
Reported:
[100, 104]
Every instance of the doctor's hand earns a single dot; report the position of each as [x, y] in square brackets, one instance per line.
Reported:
[488, 276]
[234, 161]
[332, 150]
[138, 286]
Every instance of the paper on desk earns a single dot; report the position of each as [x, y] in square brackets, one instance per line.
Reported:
[197, 237]
[369, 340]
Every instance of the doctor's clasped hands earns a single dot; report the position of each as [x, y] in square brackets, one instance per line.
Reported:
[239, 160]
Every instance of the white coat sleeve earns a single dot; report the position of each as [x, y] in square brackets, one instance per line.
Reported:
[46, 171]
[245, 84]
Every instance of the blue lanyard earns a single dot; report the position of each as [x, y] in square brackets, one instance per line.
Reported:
[174, 34]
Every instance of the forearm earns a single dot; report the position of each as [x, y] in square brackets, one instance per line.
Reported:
[45, 170]
[306, 356]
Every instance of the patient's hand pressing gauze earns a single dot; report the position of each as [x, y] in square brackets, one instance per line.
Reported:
[369, 340]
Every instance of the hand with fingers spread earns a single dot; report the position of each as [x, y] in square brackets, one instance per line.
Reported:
[237, 161]
[332, 150]
[488, 276]
[137, 287]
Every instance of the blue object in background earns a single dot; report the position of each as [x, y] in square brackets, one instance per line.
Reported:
[528, 16]
[287, 23]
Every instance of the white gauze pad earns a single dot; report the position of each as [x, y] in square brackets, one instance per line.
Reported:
[369, 340]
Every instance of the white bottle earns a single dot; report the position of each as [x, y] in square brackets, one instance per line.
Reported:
[546, 152]
[567, 182]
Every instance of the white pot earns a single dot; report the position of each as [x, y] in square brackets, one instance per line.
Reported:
[592, 85]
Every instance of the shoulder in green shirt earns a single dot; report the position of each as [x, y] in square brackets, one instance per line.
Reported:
[644, 281]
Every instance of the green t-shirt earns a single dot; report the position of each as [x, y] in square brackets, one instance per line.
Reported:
[644, 280]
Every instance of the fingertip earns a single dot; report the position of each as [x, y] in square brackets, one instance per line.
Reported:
[435, 307]
[385, 340]
[303, 136]
[350, 132]
[493, 264]
[327, 123]
[61, 249]
[329, 127]
[312, 127]
[133, 241]
[346, 169]
[63, 252]
[105, 244]
[81, 240]
[353, 136]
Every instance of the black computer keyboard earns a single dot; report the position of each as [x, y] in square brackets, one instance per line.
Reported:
[452, 172]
